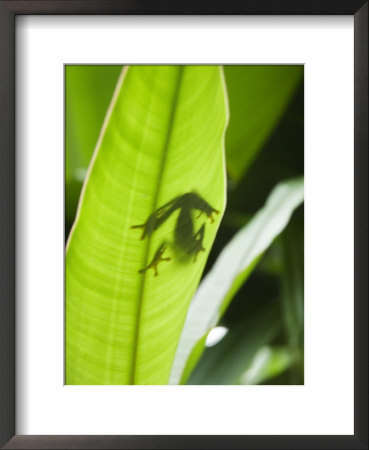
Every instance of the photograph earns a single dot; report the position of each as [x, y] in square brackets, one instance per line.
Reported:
[184, 224]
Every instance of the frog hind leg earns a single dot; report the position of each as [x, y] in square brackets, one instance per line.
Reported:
[156, 218]
[198, 238]
[163, 212]
[203, 207]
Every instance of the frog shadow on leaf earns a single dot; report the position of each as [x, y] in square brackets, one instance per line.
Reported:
[187, 242]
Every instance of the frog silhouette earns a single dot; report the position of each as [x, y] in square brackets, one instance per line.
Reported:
[187, 241]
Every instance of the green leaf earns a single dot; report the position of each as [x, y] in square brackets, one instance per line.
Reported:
[233, 266]
[293, 292]
[258, 97]
[162, 142]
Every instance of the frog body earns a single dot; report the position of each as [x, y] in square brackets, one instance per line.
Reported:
[186, 239]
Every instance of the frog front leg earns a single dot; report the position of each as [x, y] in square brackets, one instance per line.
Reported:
[158, 257]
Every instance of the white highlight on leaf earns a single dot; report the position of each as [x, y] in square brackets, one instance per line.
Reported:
[215, 335]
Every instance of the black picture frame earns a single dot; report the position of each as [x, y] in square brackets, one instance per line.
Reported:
[8, 12]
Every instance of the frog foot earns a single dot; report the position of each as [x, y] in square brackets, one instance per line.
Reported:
[199, 249]
[144, 231]
[209, 214]
[158, 257]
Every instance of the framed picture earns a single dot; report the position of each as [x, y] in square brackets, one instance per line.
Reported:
[184, 224]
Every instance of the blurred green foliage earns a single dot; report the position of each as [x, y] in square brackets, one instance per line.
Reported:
[264, 146]
[258, 97]
[88, 91]
[278, 280]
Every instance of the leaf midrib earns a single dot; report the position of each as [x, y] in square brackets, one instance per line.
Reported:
[141, 290]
